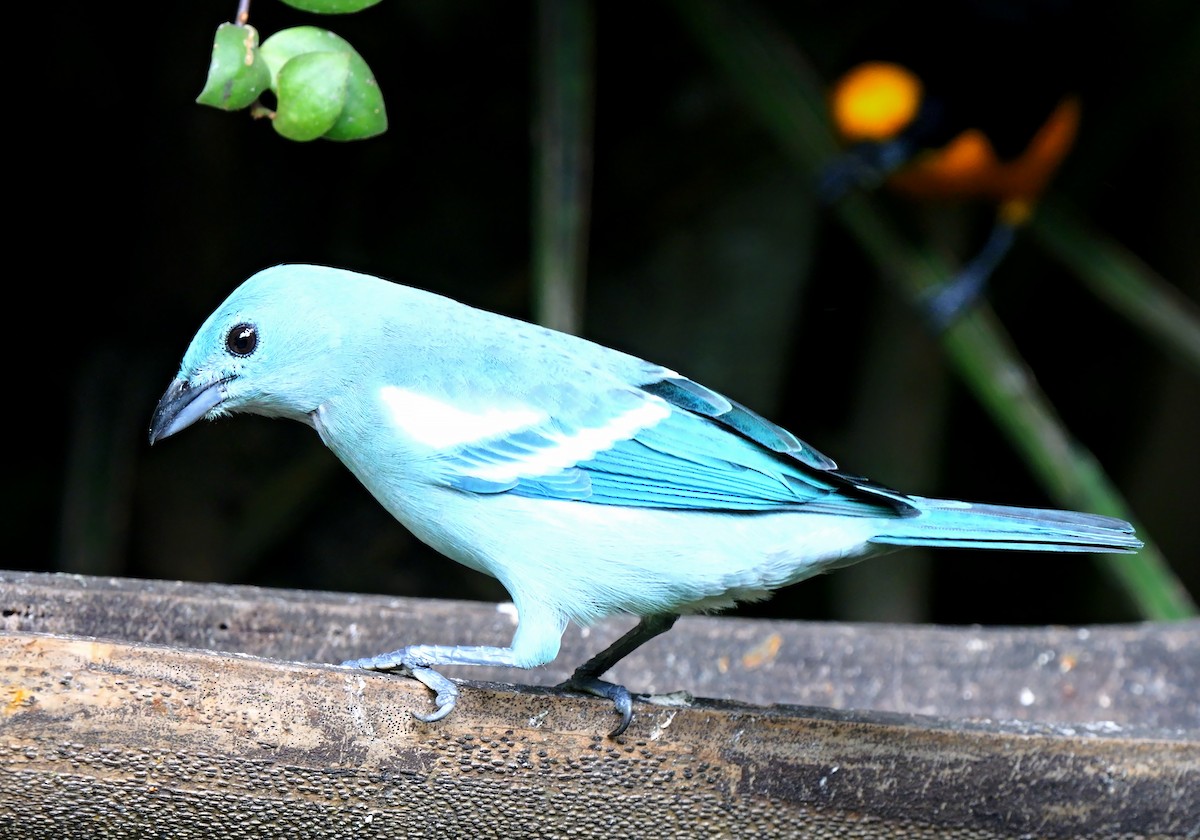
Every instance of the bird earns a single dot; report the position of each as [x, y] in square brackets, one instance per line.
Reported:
[589, 482]
[987, 116]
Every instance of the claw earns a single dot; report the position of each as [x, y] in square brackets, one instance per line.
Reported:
[623, 705]
[445, 692]
[618, 694]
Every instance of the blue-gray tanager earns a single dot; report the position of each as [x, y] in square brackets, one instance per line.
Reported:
[587, 481]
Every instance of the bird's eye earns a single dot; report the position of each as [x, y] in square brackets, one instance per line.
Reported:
[242, 340]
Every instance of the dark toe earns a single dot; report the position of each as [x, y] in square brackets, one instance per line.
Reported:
[618, 694]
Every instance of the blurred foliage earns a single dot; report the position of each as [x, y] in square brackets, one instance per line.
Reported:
[789, 99]
[706, 250]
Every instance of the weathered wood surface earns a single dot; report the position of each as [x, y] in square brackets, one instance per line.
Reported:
[158, 709]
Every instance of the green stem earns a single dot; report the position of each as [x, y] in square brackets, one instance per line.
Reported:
[563, 161]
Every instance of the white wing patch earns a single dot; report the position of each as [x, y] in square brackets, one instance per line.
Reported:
[440, 424]
[566, 450]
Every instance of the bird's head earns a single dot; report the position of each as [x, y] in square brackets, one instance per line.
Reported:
[277, 347]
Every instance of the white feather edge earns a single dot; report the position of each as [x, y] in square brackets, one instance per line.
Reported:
[439, 424]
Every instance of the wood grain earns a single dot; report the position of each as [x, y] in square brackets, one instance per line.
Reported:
[203, 711]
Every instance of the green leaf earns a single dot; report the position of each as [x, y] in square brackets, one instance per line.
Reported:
[237, 75]
[311, 93]
[330, 7]
[286, 44]
[362, 113]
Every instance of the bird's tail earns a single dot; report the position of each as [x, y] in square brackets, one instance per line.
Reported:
[953, 524]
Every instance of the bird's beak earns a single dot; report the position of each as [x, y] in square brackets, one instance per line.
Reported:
[182, 405]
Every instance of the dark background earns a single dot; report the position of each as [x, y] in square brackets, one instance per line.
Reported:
[138, 211]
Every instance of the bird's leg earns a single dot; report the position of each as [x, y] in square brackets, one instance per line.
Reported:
[587, 676]
[946, 302]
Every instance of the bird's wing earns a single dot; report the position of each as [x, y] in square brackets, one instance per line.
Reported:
[670, 443]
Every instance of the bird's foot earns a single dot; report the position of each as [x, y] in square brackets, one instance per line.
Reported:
[618, 694]
[445, 692]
